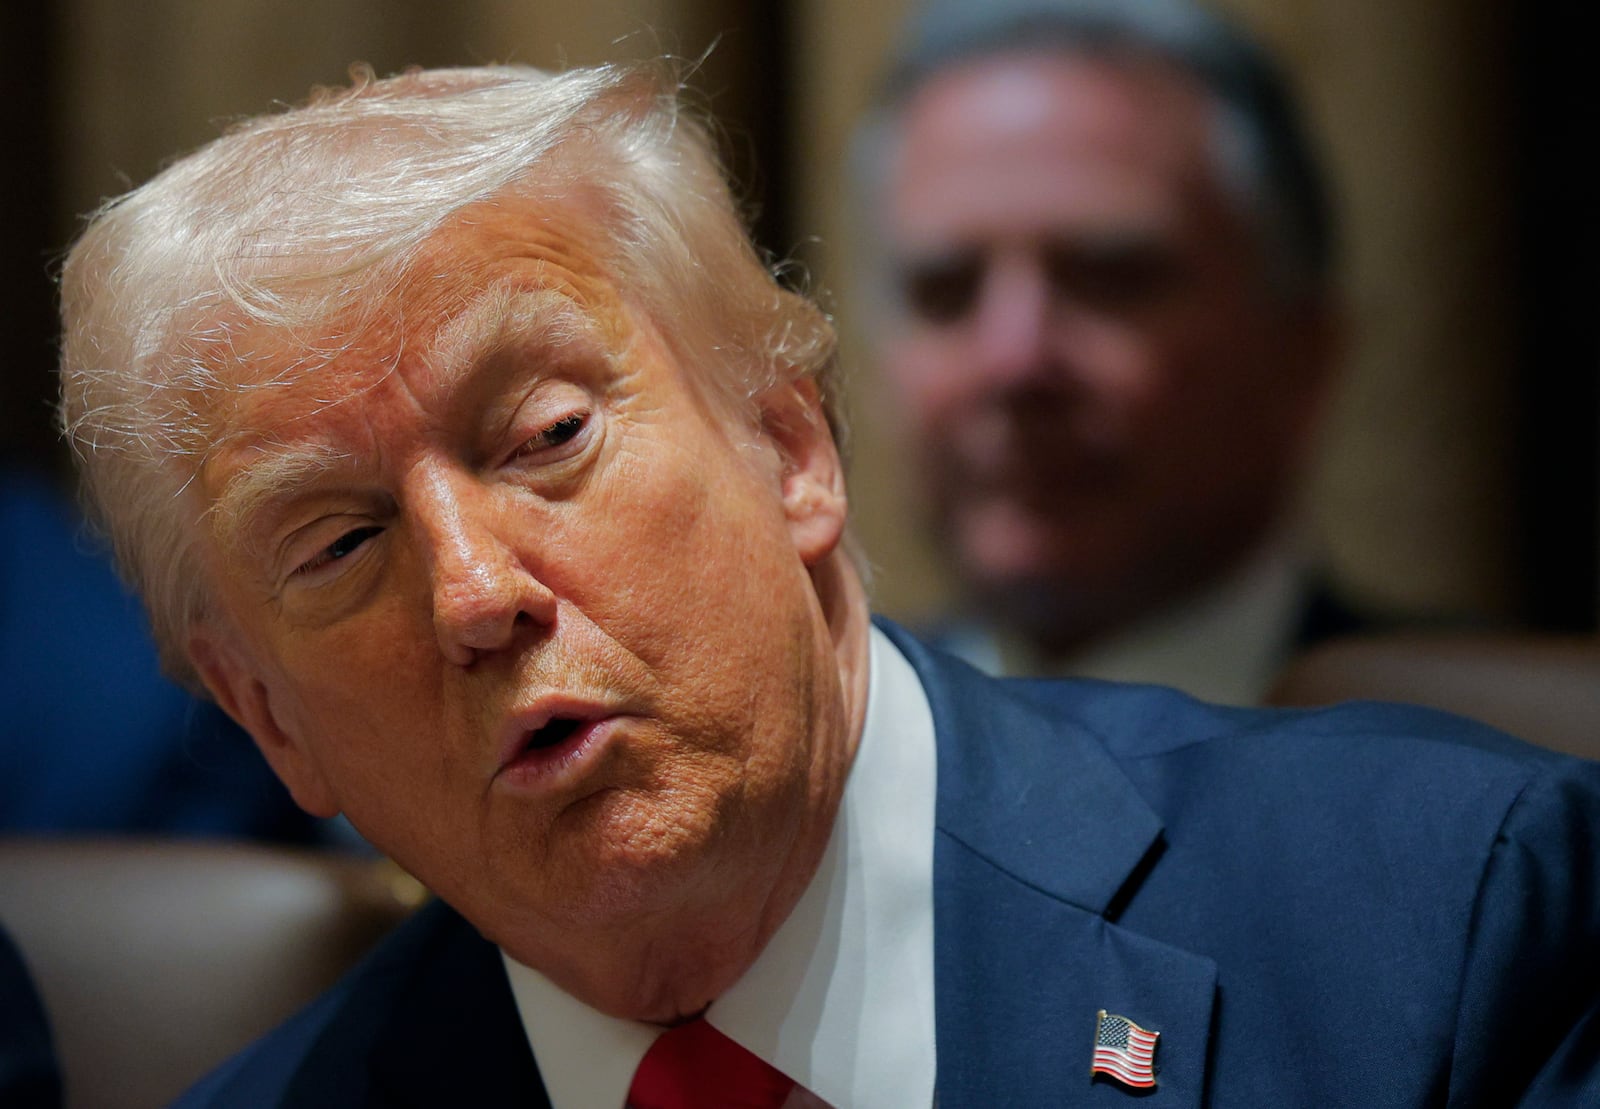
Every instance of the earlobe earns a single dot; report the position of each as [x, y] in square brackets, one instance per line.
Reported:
[814, 498]
[240, 693]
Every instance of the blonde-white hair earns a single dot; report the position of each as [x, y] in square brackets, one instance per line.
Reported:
[291, 218]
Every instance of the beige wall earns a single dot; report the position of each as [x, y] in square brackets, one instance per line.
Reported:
[140, 82]
[1412, 493]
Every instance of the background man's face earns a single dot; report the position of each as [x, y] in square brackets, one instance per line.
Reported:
[1107, 403]
[527, 612]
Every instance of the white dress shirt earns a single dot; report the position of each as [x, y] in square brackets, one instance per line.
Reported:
[841, 999]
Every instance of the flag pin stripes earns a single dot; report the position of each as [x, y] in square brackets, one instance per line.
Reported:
[1124, 1051]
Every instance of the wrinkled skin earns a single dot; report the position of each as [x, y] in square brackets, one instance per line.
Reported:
[507, 503]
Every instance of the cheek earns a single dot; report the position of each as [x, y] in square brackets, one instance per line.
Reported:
[1217, 386]
[390, 635]
[365, 693]
[683, 537]
[735, 601]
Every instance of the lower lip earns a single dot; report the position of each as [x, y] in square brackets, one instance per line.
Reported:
[546, 767]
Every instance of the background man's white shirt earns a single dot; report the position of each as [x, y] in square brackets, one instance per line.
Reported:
[1227, 644]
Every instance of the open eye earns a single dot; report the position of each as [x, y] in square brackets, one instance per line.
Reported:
[555, 436]
[342, 547]
[559, 432]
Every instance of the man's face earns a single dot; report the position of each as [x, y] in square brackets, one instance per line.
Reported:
[1108, 402]
[520, 606]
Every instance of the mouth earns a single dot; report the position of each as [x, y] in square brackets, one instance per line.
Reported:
[550, 742]
[553, 734]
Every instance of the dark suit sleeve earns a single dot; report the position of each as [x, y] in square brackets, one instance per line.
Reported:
[1529, 1016]
[29, 1077]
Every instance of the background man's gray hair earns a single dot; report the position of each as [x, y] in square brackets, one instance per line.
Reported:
[1266, 153]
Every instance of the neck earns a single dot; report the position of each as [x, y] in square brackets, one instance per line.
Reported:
[844, 606]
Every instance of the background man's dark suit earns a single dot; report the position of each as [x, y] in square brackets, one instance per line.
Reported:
[1286, 898]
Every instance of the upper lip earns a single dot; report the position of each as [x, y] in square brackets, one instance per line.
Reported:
[525, 721]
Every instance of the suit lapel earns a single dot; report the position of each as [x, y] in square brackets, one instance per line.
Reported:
[1019, 978]
[1032, 851]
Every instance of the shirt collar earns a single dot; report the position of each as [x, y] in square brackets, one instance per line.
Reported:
[841, 999]
[1225, 644]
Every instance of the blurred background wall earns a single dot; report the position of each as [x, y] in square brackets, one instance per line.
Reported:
[1461, 473]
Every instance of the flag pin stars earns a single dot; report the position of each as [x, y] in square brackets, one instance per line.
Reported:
[1124, 1051]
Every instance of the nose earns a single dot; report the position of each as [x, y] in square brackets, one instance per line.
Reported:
[484, 591]
[1012, 321]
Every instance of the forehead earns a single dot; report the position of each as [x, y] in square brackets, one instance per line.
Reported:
[1049, 136]
[421, 357]
[494, 272]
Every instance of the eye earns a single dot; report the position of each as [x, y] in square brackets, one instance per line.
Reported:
[555, 436]
[942, 290]
[342, 547]
[1117, 274]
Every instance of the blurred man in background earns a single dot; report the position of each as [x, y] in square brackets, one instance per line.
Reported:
[1107, 307]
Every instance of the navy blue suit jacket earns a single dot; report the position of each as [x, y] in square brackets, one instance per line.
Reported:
[1360, 906]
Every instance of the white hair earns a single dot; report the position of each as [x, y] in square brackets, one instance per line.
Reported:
[292, 218]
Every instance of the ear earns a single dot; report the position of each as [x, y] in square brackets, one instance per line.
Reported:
[241, 693]
[812, 474]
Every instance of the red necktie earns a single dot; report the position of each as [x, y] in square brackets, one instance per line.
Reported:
[693, 1066]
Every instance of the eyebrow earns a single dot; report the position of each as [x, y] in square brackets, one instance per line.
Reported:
[501, 317]
[491, 323]
[260, 485]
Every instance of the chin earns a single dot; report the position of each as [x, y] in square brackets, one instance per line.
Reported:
[1040, 574]
[629, 859]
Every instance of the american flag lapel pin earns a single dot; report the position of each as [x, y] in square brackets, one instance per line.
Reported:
[1124, 1051]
